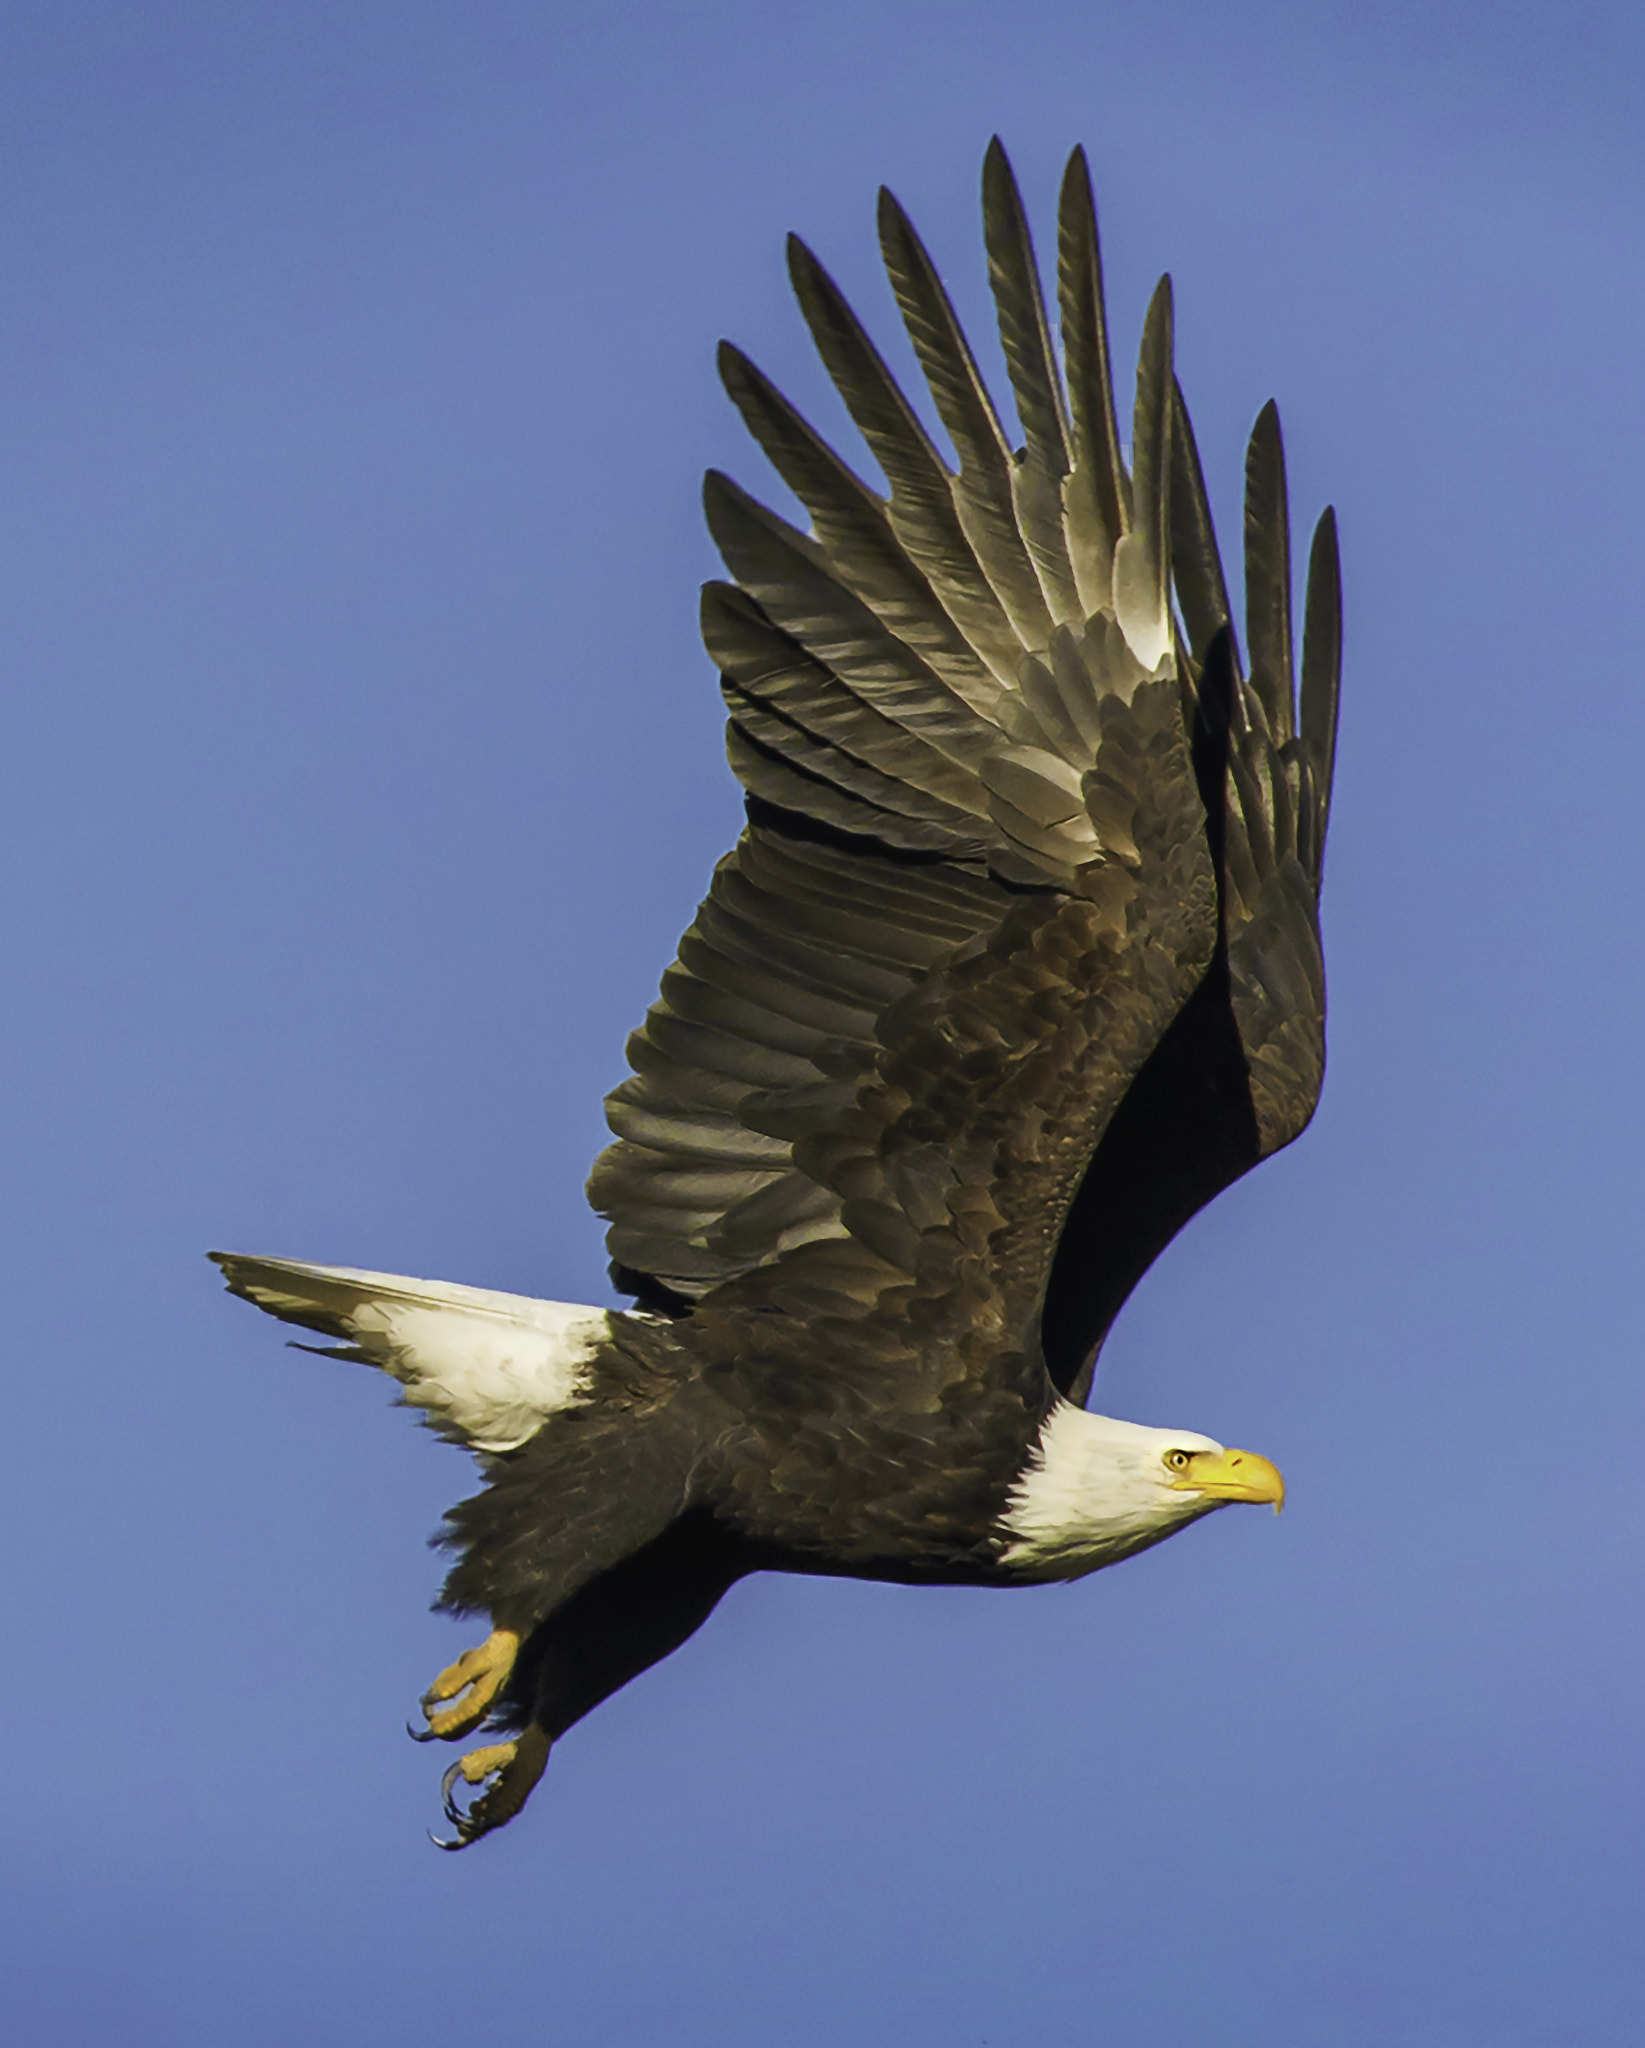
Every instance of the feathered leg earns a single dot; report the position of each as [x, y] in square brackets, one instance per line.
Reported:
[606, 1633]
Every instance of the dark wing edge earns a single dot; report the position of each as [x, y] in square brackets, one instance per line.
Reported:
[1238, 1074]
[1281, 752]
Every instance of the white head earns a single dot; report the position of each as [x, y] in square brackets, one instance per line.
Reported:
[1095, 1490]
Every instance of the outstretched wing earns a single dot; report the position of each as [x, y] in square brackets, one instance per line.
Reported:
[977, 887]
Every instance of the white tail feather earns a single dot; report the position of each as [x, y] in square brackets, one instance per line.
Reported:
[487, 1369]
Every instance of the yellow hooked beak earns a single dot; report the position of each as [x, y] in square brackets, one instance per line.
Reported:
[1232, 1475]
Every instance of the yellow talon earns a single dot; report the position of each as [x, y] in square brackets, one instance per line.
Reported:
[480, 1763]
[478, 1675]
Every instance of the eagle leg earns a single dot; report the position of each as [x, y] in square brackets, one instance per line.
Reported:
[514, 1767]
[470, 1685]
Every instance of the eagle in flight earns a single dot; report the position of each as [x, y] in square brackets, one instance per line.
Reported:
[1015, 966]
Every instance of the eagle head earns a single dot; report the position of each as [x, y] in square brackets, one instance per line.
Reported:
[1095, 1490]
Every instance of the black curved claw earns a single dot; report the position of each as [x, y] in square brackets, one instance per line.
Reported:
[469, 1822]
[453, 1812]
[421, 1734]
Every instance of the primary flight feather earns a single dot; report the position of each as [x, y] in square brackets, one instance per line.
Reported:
[1015, 967]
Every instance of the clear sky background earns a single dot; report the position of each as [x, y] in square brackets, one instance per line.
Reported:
[359, 767]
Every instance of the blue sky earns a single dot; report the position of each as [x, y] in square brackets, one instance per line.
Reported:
[360, 767]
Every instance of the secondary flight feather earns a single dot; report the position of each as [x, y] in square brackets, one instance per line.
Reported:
[1015, 966]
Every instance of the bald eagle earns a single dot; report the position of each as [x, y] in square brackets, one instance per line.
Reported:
[1015, 966]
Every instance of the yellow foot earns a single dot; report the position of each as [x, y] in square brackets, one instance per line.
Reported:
[515, 1767]
[469, 1685]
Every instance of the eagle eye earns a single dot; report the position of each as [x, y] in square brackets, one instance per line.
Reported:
[1177, 1460]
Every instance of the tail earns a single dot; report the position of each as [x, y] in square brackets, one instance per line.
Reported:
[486, 1369]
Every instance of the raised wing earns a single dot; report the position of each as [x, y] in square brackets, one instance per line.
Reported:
[978, 887]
